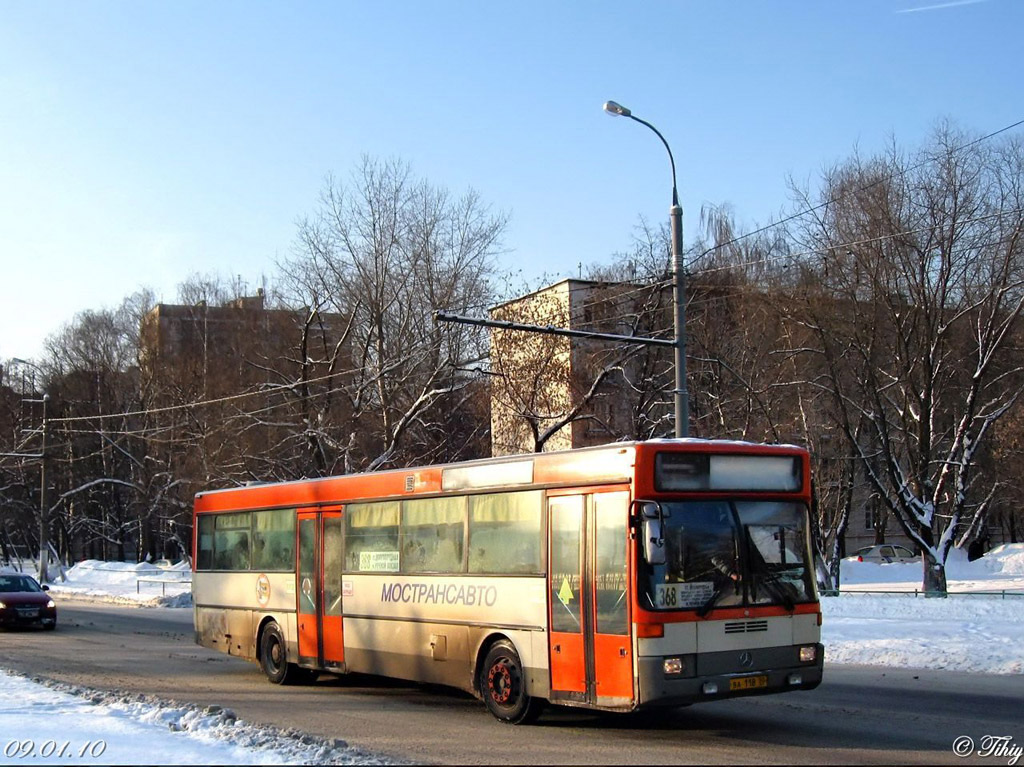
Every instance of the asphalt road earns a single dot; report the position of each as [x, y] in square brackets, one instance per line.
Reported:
[859, 715]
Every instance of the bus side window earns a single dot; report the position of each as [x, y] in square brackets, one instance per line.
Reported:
[231, 540]
[273, 540]
[432, 535]
[371, 537]
[505, 533]
[204, 558]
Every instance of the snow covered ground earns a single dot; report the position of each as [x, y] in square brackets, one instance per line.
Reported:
[92, 727]
[968, 631]
[142, 584]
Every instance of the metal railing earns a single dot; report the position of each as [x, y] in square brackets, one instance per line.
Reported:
[163, 583]
[1001, 593]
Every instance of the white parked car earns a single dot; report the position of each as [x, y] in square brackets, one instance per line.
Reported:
[884, 554]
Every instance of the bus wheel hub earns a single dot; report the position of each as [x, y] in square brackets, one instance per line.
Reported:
[499, 681]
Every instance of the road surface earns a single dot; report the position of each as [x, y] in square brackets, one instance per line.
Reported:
[859, 715]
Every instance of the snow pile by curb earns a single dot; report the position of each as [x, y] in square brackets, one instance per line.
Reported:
[138, 729]
[1000, 569]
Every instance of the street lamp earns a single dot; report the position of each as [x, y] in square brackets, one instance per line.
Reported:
[682, 396]
[44, 543]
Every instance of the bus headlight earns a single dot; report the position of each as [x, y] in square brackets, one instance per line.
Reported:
[808, 653]
[673, 666]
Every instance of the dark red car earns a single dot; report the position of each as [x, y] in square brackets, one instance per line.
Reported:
[23, 602]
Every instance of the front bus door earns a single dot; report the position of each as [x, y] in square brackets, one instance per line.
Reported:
[318, 592]
[589, 644]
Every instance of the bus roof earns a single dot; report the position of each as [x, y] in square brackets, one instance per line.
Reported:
[591, 465]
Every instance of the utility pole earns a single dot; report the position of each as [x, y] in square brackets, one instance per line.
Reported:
[43, 457]
[44, 522]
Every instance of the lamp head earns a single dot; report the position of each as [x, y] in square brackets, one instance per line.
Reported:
[616, 109]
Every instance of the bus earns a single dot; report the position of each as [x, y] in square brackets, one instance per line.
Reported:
[621, 577]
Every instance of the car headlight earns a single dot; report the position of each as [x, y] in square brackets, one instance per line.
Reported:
[808, 653]
[51, 603]
[3, 606]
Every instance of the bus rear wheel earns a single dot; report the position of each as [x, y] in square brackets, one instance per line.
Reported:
[503, 686]
[274, 658]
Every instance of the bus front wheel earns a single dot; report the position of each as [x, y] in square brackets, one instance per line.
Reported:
[274, 658]
[503, 686]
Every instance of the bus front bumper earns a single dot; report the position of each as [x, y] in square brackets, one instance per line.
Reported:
[728, 674]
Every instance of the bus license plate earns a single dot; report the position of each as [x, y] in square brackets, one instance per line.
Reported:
[748, 682]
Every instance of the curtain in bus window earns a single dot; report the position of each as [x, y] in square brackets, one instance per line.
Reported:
[332, 566]
[432, 535]
[239, 520]
[273, 540]
[505, 533]
[371, 537]
[610, 575]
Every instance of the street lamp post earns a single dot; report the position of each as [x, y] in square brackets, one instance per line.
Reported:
[682, 396]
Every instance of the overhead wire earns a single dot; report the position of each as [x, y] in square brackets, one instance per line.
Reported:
[854, 243]
[837, 198]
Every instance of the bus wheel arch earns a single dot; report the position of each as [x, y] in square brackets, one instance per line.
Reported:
[272, 655]
[500, 680]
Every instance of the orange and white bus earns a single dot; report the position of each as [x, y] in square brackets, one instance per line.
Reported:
[631, 575]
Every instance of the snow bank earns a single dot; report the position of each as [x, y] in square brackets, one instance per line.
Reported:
[141, 584]
[1007, 559]
[107, 728]
[1001, 569]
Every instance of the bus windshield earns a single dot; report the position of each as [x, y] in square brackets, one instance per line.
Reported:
[730, 553]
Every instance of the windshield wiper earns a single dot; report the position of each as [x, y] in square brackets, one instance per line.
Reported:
[705, 608]
[770, 581]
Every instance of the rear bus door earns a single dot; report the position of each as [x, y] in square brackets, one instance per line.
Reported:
[318, 592]
[589, 643]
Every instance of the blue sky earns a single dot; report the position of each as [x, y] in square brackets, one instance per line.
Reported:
[142, 142]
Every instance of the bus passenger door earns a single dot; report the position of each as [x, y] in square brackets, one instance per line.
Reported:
[566, 640]
[318, 594]
[589, 647]
[608, 561]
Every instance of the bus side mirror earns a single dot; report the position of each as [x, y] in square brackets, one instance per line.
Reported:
[652, 526]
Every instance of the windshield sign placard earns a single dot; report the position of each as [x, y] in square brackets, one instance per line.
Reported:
[684, 596]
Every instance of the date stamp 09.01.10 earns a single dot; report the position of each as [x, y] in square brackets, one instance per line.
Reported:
[54, 749]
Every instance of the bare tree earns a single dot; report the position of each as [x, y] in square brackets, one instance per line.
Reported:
[913, 303]
[383, 252]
